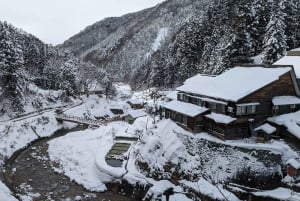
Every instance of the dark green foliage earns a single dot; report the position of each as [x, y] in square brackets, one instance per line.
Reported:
[274, 43]
[25, 59]
[11, 64]
[228, 33]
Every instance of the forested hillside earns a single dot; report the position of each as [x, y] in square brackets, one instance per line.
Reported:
[164, 45]
[159, 46]
[26, 63]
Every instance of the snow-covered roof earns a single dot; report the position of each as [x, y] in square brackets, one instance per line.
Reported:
[136, 101]
[234, 84]
[220, 118]
[267, 128]
[291, 121]
[137, 113]
[172, 95]
[188, 109]
[285, 100]
[294, 163]
[290, 60]
[295, 50]
[248, 104]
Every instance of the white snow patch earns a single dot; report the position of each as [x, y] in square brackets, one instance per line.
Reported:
[257, 59]
[95, 106]
[17, 134]
[280, 194]
[220, 118]
[290, 60]
[285, 100]
[159, 187]
[123, 91]
[137, 113]
[294, 163]
[188, 109]
[80, 153]
[291, 121]
[206, 188]
[5, 193]
[266, 128]
[161, 35]
[163, 145]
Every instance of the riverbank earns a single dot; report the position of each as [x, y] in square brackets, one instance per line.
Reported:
[30, 176]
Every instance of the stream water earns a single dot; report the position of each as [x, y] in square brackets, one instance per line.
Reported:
[28, 173]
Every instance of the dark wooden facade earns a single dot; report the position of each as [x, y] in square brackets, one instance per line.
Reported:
[241, 127]
[195, 124]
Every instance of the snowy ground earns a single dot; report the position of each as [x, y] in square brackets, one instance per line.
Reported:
[15, 135]
[38, 121]
[81, 157]
[5, 194]
[164, 147]
[38, 100]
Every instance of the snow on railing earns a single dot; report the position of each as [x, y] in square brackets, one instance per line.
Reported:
[84, 120]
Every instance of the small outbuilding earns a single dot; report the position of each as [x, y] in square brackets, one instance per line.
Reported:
[117, 110]
[264, 132]
[293, 168]
[136, 104]
[133, 115]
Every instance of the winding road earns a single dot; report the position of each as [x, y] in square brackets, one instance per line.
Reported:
[28, 173]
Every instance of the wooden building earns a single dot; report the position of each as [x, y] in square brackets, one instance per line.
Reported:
[229, 104]
[133, 115]
[293, 168]
[136, 104]
[265, 132]
[292, 58]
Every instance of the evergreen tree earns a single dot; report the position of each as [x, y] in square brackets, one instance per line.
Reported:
[292, 9]
[242, 43]
[11, 62]
[274, 43]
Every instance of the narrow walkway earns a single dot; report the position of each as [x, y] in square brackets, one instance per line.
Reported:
[84, 121]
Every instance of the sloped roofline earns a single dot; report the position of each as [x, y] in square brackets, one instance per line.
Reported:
[292, 73]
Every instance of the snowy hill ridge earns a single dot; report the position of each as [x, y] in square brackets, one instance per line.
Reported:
[174, 40]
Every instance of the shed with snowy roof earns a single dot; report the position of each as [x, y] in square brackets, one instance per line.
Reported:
[293, 167]
[132, 115]
[136, 103]
[264, 132]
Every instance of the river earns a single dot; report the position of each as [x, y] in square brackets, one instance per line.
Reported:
[28, 173]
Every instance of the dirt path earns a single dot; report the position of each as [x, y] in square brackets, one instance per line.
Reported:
[28, 173]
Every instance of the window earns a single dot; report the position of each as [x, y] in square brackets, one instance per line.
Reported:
[220, 108]
[213, 106]
[244, 110]
[186, 98]
[167, 114]
[275, 109]
[180, 96]
[173, 115]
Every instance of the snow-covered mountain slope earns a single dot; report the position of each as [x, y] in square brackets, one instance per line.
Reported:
[36, 75]
[166, 44]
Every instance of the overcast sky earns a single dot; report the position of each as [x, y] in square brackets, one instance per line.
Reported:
[54, 21]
